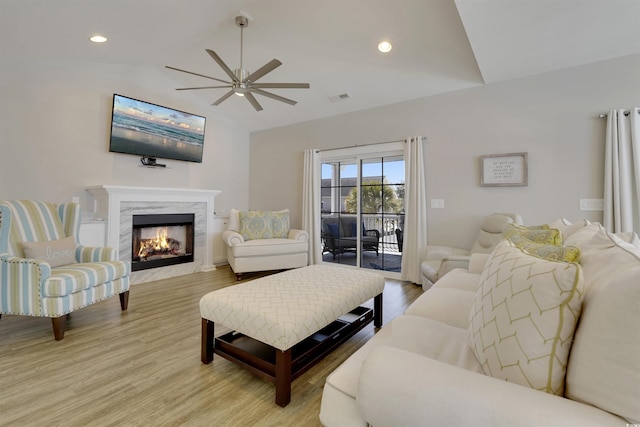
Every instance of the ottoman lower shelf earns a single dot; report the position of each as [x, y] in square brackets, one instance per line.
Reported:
[262, 359]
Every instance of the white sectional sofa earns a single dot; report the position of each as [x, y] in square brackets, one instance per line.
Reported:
[423, 368]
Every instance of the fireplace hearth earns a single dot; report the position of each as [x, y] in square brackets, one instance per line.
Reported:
[160, 240]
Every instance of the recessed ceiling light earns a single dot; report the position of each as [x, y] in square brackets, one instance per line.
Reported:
[98, 39]
[384, 46]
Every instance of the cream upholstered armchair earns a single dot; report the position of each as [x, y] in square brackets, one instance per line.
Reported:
[263, 241]
[442, 259]
[44, 272]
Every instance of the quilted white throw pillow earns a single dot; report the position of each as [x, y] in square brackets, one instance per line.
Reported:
[524, 316]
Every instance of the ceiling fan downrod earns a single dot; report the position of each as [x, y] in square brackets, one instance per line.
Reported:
[242, 22]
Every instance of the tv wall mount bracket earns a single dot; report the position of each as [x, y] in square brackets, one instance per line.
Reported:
[151, 161]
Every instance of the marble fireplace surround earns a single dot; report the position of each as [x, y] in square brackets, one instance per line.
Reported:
[117, 205]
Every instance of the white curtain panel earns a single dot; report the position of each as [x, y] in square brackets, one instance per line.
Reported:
[622, 171]
[311, 204]
[415, 222]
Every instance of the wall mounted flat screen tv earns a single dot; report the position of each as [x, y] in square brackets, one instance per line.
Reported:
[151, 131]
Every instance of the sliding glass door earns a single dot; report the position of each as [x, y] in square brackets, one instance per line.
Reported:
[363, 211]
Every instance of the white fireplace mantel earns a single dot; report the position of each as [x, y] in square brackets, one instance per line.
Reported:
[110, 201]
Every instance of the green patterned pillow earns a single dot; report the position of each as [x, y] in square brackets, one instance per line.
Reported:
[524, 316]
[550, 252]
[538, 234]
[255, 225]
[280, 224]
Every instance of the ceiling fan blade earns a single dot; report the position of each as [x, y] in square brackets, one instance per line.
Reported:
[222, 65]
[266, 68]
[274, 96]
[203, 87]
[196, 74]
[281, 85]
[253, 101]
[223, 97]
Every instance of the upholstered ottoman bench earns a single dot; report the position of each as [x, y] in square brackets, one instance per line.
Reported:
[285, 323]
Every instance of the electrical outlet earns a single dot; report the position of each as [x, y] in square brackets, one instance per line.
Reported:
[591, 204]
[437, 203]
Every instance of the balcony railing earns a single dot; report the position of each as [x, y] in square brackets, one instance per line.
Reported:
[386, 224]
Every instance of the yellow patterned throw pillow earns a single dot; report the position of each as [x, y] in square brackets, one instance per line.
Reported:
[538, 234]
[524, 316]
[550, 252]
[255, 225]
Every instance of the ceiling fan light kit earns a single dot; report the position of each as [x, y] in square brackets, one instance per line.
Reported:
[243, 83]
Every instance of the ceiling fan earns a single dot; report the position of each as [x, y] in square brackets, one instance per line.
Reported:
[242, 82]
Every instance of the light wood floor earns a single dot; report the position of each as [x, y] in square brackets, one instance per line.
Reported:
[142, 367]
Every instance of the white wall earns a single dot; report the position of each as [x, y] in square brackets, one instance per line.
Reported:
[553, 117]
[55, 125]
[55, 118]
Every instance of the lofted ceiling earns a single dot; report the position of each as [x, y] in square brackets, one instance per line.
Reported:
[439, 46]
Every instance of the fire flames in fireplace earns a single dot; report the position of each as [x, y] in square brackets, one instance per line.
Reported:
[160, 240]
[159, 247]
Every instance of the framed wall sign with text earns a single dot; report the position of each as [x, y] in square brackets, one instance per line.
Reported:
[504, 170]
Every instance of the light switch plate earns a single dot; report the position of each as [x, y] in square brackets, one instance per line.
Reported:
[591, 204]
[437, 203]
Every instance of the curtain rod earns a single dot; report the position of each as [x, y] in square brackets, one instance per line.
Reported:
[625, 112]
[364, 145]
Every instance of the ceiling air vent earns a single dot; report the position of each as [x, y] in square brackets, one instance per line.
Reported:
[340, 97]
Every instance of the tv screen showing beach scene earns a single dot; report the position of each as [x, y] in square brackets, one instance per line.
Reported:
[150, 130]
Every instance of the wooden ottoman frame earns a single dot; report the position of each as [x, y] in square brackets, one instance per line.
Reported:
[282, 361]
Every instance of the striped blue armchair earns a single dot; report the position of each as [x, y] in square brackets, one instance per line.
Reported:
[44, 272]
